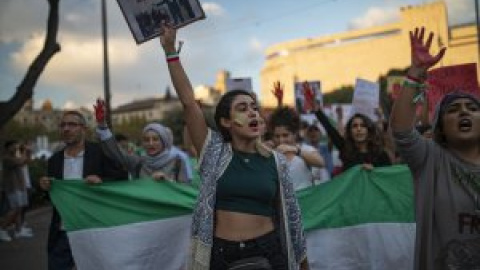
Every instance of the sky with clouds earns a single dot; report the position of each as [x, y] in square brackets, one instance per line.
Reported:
[233, 37]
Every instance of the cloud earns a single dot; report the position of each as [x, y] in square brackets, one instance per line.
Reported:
[213, 9]
[375, 16]
[256, 45]
[69, 105]
[32, 12]
[78, 59]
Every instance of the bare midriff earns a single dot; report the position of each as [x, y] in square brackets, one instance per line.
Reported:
[236, 226]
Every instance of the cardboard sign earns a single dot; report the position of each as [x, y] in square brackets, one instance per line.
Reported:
[239, 83]
[300, 97]
[444, 80]
[144, 16]
[366, 98]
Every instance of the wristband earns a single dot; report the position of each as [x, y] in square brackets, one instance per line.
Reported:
[172, 57]
[299, 151]
[413, 84]
[414, 79]
[420, 90]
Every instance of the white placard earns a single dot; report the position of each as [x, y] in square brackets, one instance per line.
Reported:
[366, 98]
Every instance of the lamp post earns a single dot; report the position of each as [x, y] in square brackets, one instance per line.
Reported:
[106, 73]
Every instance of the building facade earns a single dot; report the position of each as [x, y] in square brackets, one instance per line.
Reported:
[339, 59]
[47, 116]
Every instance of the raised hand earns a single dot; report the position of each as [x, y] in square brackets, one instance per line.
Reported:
[309, 95]
[422, 60]
[100, 112]
[278, 92]
[167, 39]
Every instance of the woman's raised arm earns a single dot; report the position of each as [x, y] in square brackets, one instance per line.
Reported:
[194, 117]
[404, 109]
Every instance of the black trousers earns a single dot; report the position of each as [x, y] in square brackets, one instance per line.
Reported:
[268, 246]
[59, 253]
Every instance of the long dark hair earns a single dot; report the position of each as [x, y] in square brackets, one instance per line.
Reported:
[223, 110]
[374, 141]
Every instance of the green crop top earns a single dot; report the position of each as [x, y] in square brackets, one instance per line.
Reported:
[248, 185]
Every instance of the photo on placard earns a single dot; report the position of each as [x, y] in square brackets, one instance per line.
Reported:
[144, 16]
[300, 96]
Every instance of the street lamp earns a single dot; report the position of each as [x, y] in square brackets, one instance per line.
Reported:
[106, 74]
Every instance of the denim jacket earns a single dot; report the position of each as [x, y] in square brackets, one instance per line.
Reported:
[214, 159]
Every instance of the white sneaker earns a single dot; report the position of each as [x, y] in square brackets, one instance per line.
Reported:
[23, 233]
[4, 236]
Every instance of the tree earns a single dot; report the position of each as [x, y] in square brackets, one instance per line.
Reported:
[24, 92]
[343, 94]
[385, 99]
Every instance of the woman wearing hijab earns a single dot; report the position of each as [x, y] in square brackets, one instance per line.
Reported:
[161, 160]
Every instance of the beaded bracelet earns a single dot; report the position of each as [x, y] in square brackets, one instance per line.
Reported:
[419, 87]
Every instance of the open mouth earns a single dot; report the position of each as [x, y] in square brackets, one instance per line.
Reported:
[253, 124]
[465, 125]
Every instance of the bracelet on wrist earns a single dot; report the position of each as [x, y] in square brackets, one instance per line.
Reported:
[420, 90]
[173, 57]
[415, 79]
[413, 84]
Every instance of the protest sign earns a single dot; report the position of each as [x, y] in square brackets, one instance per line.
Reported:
[144, 16]
[366, 98]
[316, 86]
[444, 80]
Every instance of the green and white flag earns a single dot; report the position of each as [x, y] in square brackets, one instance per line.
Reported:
[359, 220]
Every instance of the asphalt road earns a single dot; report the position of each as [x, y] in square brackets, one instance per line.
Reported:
[28, 253]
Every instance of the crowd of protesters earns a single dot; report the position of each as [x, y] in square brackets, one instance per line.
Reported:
[252, 164]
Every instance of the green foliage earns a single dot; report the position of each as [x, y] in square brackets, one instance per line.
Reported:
[174, 120]
[132, 129]
[385, 100]
[17, 131]
[343, 94]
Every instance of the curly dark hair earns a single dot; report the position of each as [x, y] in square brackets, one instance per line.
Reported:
[374, 141]
[284, 117]
[223, 110]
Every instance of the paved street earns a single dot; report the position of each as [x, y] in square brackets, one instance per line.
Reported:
[28, 253]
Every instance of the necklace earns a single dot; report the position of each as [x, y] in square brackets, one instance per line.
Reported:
[470, 183]
[245, 157]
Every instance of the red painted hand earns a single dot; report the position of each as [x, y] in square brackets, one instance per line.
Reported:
[100, 111]
[421, 57]
[278, 92]
[309, 95]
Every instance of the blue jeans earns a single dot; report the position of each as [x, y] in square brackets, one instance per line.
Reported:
[268, 246]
